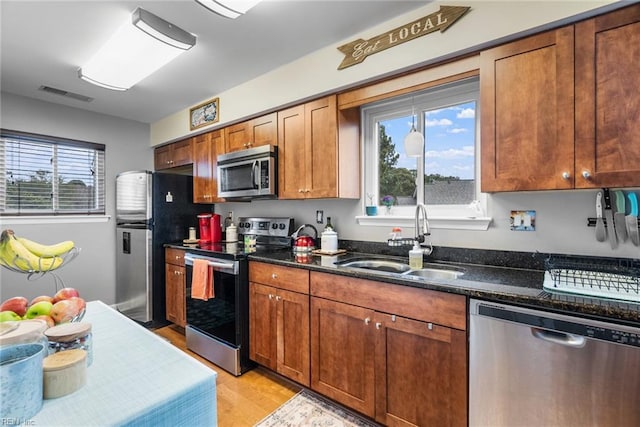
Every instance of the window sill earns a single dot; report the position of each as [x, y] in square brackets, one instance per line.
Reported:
[449, 223]
[54, 219]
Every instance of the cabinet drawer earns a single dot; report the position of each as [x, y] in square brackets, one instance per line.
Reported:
[174, 256]
[291, 279]
[415, 303]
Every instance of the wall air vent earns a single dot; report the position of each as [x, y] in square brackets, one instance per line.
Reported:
[65, 93]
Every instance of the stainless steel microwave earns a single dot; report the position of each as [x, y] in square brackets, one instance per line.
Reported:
[250, 173]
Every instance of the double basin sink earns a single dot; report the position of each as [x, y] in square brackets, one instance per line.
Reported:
[400, 268]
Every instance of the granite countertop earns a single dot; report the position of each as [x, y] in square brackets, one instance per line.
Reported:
[520, 286]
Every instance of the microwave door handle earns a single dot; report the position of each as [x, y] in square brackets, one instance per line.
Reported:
[255, 166]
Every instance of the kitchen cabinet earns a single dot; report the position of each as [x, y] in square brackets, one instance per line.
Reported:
[279, 320]
[175, 286]
[206, 148]
[394, 353]
[316, 159]
[252, 133]
[559, 109]
[608, 99]
[173, 155]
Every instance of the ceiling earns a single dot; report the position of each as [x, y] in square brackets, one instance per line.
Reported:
[43, 43]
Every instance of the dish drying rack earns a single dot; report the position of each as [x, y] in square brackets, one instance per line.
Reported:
[604, 278]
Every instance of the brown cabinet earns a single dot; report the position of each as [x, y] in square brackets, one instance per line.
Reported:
[206, 148]
[279, 319]
[607, 69]
[175, 286]
[559, 109]
[395, 353]
[173, 155]
[314, 162]
[252, 133]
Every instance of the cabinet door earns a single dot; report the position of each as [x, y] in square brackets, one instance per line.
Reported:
[217, 148]
[527, 113]
[342, 358]
[262, 324]
[291, 154]
[264, 130]
[237, 137]
[293, 336]
[608, 99]
[182, 152]
[202, 169]
[175, 294]
[321, 148]
[421, 373]
[162, 157]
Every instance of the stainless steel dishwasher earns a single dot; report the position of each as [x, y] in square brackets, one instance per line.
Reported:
[533, 368]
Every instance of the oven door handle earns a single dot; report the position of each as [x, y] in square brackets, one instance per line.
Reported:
[224, 265]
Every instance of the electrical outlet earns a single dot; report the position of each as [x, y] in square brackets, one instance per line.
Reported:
[319, 217]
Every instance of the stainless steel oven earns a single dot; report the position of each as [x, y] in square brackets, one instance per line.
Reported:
[218, 329]
[247, 174]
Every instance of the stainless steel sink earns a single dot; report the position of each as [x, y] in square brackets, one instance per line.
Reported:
[378, 265]
[401, 269]
[435, 273]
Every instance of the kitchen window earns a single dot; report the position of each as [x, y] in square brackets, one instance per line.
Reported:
[444, 177]
[45, 175]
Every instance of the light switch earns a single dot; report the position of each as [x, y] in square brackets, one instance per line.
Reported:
[169, 197]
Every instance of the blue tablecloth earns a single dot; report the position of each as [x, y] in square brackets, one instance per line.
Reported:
[136, 379]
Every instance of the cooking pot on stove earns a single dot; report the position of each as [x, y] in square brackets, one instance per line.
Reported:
[304, 242]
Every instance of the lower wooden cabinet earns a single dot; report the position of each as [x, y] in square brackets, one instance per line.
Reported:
[401, 371]
[279, 320]
[175, 287]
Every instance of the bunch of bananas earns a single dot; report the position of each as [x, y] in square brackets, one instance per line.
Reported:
[29, 256]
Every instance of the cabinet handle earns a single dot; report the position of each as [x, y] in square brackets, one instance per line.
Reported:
[367, 321]
[566, 175]
[393, 317]
[178, 257]
[300, 190]
[378, 325]
[430, 326]
[278, 298]
[586, 174]
[274, 276]
[270, 296]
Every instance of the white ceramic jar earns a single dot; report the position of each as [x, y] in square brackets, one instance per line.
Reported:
[329, 241]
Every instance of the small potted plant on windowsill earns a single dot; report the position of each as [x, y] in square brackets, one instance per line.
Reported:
[388, 201]
[371, 209]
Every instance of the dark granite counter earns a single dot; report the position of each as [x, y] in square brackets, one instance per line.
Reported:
[502, 276]
[519, 286]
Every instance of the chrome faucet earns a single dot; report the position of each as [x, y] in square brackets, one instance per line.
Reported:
[422, 230]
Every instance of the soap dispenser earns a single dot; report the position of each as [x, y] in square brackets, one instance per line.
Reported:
[415, 257]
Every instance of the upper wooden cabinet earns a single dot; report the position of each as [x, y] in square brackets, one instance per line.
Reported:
[252, 133]
[172, 155]
[318, 151]
[206, 148]
[536, 91]
[608, 99]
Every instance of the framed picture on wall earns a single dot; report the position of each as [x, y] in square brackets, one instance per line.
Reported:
[204, 114]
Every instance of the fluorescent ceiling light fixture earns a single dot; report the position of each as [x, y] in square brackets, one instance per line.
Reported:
[135, 51]
[229, 8]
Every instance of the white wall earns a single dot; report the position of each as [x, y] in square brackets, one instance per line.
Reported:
[93, 271]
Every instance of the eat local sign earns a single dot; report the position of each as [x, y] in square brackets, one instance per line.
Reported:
[357, 51]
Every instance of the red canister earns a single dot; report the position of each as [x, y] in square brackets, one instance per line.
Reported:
[216, 229]
[204, 220]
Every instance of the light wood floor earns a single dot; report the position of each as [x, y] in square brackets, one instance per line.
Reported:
[243, 400]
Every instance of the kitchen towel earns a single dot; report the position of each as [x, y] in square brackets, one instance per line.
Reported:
[202, 280]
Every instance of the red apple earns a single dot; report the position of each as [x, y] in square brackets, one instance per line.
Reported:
[48, 319]
[65, 293]
[16, 304]
[64, 311]
[41, 298]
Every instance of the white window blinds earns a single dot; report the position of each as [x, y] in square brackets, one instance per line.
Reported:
[50, 176]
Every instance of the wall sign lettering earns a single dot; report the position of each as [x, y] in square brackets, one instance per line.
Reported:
[356, 51]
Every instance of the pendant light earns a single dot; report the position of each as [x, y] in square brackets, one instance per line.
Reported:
[414, 141]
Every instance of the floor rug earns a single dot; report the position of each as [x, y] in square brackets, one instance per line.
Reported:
[306, 409]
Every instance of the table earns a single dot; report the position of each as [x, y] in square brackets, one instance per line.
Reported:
[136, 378]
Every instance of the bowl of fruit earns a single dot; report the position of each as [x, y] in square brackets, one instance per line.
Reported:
[63, 307]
